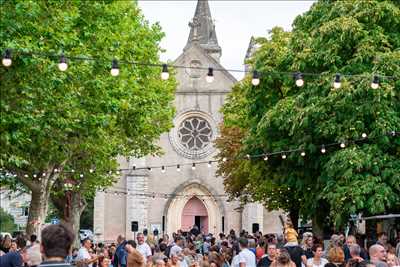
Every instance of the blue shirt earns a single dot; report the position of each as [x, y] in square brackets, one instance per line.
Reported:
[11, 259]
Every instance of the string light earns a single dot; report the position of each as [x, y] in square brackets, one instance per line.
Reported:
[342, 144]
[194, 166]
[266, 158]
[178, 168]
[256, 78]
[7, 61]
[114, 68]
[337, 84]
[375, 82]
[55, 170]
[164, 72]
[209, 164]
[63, 66]
[91, 170]
[81, 175]
[248, 156]
[303, 153]
[44, 174]
[299, 79]
[224, 159]
[163, 169]
[283, 156]
[364, 135]
[210, 75]
[323, 150]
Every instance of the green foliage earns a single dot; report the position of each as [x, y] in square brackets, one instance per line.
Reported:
[347, 37]
[82, 118]
[6, 222]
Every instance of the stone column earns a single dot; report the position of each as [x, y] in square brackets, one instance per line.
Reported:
[137, 202]
[252, 213]
[98, 216]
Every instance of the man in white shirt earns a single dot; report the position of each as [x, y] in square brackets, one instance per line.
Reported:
[84, 255]
[176, 249]
[246, 257]
[143, 248]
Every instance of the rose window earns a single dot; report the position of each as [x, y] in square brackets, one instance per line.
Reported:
[195, 133]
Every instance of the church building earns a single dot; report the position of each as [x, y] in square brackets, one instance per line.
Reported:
[181, 195]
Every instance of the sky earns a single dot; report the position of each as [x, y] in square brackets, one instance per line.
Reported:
[235, 23]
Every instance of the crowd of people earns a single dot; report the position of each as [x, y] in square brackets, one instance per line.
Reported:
[194, 249]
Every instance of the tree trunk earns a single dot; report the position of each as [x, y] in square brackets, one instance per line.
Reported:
[294, 217]
[318, 226]
[70, 206]
[37, 210]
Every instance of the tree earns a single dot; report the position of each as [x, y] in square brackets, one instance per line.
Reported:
[6, 222]
[356, 38]
[58, 125]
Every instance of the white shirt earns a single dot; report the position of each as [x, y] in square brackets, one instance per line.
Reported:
[83, 254]
[311, 263]
[175, 250]
[145, 250]
[247, 257]
[235, 261]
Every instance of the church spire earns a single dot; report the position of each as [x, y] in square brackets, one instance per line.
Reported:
[202, 30]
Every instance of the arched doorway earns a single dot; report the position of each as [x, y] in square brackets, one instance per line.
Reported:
[195, 188]
[194, 213]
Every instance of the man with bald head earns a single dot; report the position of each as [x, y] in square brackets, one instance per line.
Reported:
[377, 253]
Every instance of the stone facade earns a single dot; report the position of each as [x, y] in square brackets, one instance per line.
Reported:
[157, 198]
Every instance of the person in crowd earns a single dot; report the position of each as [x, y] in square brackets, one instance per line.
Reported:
[269, 257]
[85, 256]
[317, 260]
[159, 253]
[307, 245]
[159, 263]
[392, 260]
[34, 254]
[283, 259]
[355, 252]
[134, 257]
[174, 260]
[143, 248]
[383, 241]
[260, 249]
[377, 254]
[335, 257]
[56, 244]
[6, 244]
[14, 246]
[206, 245]
[120, 254]
[246, 257]
[292, 246]
[17, 258]
[252, 245]
[176, 249]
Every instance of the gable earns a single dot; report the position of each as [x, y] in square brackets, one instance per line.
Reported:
[194, 80]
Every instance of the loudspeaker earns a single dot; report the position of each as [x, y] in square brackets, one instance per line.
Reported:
[155, 232]
[145, 232]
[134, 226]
[256, 227]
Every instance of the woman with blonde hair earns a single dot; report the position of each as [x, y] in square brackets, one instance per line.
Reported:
[392, 260]
[283, 260]
[335, 257]
[307, 244]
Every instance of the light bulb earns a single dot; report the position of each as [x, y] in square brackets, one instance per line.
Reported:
[91, 170]
[164, 73]
[283, 156]
[224, 159]
[56, 170]
[364, 135]
[149, 169]
[178, 168]
[7, 61]
[336, 82]
[63, 66]
[44, 174]
[375, 82]
[81, 175]
[209, 164]
[163, 169]
[256, 78]
[323, 150]
[210, 75]
[342, 145]
[26, 175]
[72, 170]
[248, 156]
[117, 172]
[114, 68]
[266, 158]
[299, 79]
[303, 153]
[194, 166]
